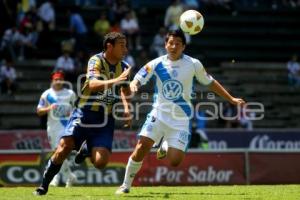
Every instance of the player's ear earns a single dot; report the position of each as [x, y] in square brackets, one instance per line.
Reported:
[109, 46]
[183, 46]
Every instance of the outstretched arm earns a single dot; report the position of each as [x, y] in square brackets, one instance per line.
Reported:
[44, 110]
[100, 85]
[134, 85]
[125, 95]
[216, 87]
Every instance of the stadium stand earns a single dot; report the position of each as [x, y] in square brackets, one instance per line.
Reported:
[247, 52]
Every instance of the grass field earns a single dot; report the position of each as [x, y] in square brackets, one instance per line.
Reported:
[261, 192]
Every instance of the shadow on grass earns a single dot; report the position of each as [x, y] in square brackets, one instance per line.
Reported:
[182, 194]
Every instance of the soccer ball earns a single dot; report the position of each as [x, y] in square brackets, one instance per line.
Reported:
[191, 22]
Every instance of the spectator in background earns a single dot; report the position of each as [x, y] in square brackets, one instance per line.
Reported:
[200, 126]
[245, 119]
[8, 77]
[158, 44]
[78, 29]
[8, 14]
[24, 7]
[79, 62]
[172, 14]
[65, 63]
[26, 41]
[115, 27]
[293, 67]
[141, 59]
[120, 8]
[102, 26]
[130, 27]
[229, 116]
[291, 3]
[46, 13]
[85, 3]
[191, 4]
[7, 42]
[130, 60]
[29, 18]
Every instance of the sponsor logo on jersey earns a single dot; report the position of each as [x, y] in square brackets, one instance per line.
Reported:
[145, 71]
[172, 89]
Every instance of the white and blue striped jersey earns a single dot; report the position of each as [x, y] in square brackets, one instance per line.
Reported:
[173, 87]
[58, 117]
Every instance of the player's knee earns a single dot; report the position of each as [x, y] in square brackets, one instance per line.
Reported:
[62, 151]
[142, 148]
[100, 164]
[140, 152]
[65, 148]
[175, 163]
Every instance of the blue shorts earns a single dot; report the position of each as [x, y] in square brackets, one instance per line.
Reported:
[94, 127]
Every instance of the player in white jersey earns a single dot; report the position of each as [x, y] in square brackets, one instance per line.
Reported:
[170, 117]
[57, 102]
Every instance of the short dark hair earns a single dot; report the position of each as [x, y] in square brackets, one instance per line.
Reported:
[176, 33]
[111, 38]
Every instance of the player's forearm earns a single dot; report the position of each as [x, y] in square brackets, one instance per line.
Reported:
[220, 90]
[99, 85]
[42, 111]
[125, 96]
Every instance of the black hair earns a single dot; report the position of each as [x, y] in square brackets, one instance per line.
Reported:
[176, 33]
[111, 38]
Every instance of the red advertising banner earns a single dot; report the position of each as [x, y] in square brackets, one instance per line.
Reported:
[274, 168]
[197, 169]
[37, 139]
[124, 139]
[17, 169]
[24, 139]
[254, 140]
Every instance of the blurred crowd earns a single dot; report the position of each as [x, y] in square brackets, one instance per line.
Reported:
[27, 26]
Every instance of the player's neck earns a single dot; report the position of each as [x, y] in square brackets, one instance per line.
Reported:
[110, 59]
[174, 59]
[57, 89]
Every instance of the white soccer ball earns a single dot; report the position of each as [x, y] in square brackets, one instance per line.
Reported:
[191, 22]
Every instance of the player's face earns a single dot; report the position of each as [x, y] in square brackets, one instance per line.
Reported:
[174, 47]
[57, 83]
[119, 49]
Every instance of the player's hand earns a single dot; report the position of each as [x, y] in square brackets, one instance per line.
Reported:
[127, 119]
[52, 106]
[237, 102]
[134, 86]
[124, 75]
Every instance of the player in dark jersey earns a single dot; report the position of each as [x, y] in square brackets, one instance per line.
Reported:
[92, 120]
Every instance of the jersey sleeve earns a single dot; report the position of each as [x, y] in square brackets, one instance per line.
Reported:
[201, 75]
[145, 73]
[43, 101]
[93, 68]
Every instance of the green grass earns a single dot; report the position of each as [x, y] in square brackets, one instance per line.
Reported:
[258, 192]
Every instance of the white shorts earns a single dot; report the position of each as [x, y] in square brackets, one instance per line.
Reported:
[155, 129]
[54, 137]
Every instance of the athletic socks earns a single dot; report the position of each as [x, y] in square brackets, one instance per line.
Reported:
[50, 171]
[132, 169]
